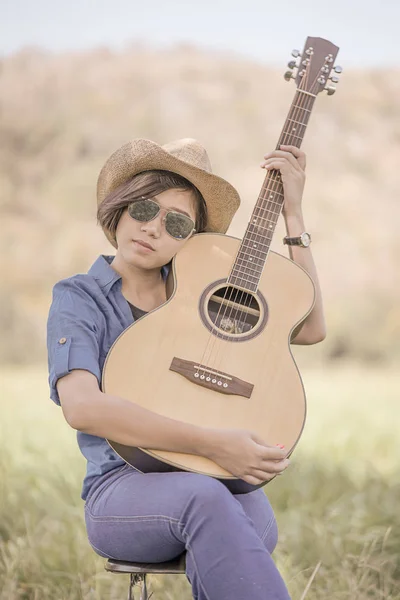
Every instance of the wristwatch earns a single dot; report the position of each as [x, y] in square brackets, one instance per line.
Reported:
[304, 240]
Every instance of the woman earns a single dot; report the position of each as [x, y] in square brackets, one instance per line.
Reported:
[152, 199]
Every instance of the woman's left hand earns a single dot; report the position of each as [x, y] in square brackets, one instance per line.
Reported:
[291, 162]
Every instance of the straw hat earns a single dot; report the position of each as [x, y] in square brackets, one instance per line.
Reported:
[187, 158]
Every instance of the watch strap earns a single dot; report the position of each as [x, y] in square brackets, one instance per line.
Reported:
[292, 241]
[297, 241]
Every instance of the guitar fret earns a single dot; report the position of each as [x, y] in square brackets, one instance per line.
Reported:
[272, 216]
[267, 189]
[298, 122]
[253, 249]
[259, 227]
[255, 260]
[263, 241]
[244, 278]
[264, 209]
[256, 249]
[271, 223]
[248, 267]
[249, 288]
[270, 192]
[289, 133]
[259, 261]
[255, 223]
[247, 275]
[301, 108]
[269, 200]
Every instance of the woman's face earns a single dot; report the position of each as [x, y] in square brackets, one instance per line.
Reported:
[129, 232]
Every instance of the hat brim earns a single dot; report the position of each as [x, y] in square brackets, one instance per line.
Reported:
[140, 155]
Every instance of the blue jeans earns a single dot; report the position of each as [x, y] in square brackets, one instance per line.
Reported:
[154, 517]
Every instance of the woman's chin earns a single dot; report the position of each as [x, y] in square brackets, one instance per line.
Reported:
[141, 260]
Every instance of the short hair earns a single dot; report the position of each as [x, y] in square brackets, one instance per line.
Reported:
[146, 183]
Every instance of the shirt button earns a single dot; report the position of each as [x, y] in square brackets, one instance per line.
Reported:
[62, 340]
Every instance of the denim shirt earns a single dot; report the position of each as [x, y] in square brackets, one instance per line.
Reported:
[87, 314]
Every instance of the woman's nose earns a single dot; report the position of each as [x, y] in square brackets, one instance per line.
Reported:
[154, 226]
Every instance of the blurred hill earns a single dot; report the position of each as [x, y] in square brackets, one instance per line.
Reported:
[62, 115]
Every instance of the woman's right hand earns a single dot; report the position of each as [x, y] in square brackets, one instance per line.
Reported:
[244, 454]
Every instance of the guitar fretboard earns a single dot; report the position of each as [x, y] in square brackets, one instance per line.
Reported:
[255, 246]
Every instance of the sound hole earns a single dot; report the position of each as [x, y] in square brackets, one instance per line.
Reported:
[233, 311]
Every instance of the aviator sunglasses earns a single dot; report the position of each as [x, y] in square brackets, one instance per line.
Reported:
[177, 225]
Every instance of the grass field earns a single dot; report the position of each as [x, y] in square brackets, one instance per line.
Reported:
[338, 504]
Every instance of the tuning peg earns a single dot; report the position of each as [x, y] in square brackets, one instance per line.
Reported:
[330, 89]
[292, 64]
[288, 75]
[338, 69]
[296, 53]
[334, 79]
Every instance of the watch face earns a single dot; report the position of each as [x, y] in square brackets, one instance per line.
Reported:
[305, 239]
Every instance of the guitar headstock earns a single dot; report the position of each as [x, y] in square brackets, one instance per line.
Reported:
[316, 66]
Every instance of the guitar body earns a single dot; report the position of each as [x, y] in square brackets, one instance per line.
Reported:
[159, 360]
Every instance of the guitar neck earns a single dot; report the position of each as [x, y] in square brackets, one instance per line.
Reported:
[255, 246]
[316, 67]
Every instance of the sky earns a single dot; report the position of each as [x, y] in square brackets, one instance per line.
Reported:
[267, 31]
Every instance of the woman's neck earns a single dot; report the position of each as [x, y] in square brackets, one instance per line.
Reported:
[145, 288]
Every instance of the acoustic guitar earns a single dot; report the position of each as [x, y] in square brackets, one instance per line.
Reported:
[217, 352]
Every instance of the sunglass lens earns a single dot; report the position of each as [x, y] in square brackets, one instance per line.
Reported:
[178, 226]
[143, 210]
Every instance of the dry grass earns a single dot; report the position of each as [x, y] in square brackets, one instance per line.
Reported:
[337, 506]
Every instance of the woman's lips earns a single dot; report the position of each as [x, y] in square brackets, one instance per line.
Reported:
[143, 245]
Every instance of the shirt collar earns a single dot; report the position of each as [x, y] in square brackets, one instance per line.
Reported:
[106, 276]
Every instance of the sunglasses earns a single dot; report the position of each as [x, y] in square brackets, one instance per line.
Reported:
[177, 225]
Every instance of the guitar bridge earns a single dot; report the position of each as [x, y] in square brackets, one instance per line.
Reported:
[209, 378]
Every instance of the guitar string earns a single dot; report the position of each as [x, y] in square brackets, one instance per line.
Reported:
[276, 184]
[293, 116]
[275, 179]
[270, 187]
[285, 138]
[270, 184]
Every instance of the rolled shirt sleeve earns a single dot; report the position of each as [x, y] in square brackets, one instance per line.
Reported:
[72, 333]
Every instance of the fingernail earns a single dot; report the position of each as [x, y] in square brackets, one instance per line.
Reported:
[280, 445]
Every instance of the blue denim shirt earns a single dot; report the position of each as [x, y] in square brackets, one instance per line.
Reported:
[87, 314]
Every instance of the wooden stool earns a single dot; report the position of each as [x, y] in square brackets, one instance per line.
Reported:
[138, 571]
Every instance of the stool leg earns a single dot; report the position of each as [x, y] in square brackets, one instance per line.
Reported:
[134, 580]
[144, 595]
